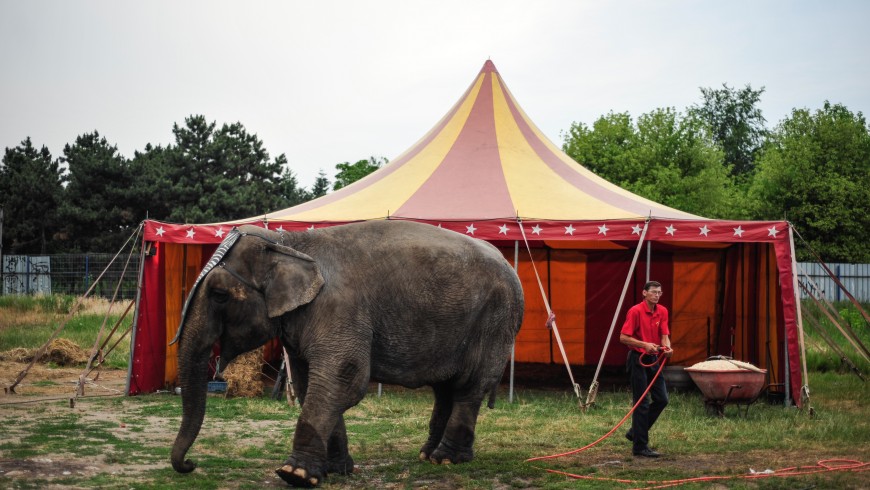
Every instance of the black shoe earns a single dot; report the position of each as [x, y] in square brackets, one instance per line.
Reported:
[647, 453]
[629, 435]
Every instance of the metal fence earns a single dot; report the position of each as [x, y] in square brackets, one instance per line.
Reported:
[75, 273]
[854, 277]
[70, 274]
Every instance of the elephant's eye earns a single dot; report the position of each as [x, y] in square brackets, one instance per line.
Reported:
[220, 295]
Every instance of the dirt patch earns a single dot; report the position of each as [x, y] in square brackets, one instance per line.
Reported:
[43, 381]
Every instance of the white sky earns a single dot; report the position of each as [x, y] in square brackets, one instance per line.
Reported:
[331, 81]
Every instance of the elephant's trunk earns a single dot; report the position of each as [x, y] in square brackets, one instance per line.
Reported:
[193, 377]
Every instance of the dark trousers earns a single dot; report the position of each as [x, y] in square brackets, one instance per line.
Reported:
[646, 413]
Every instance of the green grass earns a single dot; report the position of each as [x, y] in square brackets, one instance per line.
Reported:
[127, 440]
[822, 357]
[244, 440]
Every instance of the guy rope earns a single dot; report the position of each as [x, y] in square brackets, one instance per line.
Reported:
[593, 388]
[551, 317]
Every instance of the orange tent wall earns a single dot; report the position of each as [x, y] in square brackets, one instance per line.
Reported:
[707, 292]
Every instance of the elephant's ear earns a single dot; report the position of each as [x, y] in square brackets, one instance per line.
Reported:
[295, 281]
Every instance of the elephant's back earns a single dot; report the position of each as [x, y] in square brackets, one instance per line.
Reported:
[387, 237]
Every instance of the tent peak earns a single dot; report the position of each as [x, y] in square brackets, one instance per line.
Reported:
[488, 66]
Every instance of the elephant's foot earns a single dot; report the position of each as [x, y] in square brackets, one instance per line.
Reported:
[427, 450]
[448, 454]
[298, 476]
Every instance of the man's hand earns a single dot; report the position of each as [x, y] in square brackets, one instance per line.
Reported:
[667, 351]
[651, 348]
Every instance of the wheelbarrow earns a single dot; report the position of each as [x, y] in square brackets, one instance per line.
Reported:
[735, 383]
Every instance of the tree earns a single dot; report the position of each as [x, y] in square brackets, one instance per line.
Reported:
[815, 171]
[150, 193]
[737, 124]
[289, 189]
[219, 174]
[30, 190]
[320, 187]
[350, 173]
[666, 157]
[96, 211]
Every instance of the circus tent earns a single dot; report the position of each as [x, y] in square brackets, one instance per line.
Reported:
[487, 171]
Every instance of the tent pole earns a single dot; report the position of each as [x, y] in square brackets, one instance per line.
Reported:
[800, 324]
[136, 313]
[648, 259]
[514, 344]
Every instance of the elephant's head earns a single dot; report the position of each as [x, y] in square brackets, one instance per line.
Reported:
[250, 282]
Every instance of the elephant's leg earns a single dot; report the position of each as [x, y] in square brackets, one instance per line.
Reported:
[457, 444]
[438, 422]
[338, 457]
[320, 441]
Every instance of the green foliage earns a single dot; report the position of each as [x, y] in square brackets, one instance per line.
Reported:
[30, 192]
[217, 174]
[290, 190]
[815, 171]
[737, 124]
[96, 212]
[321, 185]
[820, 355]
[349, 173]
[666, 157]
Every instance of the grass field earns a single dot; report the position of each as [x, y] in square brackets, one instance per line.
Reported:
[124, 442]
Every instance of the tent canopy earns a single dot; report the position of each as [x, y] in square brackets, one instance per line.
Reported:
[487, 171]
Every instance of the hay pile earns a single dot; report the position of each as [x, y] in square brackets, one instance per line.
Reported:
[243, 375]
[62, 352]
[725, 365]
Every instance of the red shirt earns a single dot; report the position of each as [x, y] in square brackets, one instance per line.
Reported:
[645, 325]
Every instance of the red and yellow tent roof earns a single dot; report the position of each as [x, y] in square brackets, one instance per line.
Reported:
[480, 171]
[484, 160]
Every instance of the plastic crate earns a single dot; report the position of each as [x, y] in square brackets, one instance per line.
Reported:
[217, 386]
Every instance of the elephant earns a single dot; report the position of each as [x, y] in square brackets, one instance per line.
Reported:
[387, 301]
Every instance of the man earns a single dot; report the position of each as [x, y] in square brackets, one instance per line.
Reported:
[646, 333]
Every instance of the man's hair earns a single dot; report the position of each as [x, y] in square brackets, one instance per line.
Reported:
[652, 284]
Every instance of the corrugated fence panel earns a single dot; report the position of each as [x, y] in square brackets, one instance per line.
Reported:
[854, 277]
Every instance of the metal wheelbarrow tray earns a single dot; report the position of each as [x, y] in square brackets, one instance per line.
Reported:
[723, 386]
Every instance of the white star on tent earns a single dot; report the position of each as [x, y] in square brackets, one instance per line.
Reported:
[569, 230]
[670, 230]
[772, 231]
[469, 230]
[310, 228]
[704, 230]
[502, 230]
[636, 229]
[738, 231]
[602, 230]
[160, 231]
[219, 233]
[536, 230]
[190, 233]
[280, 229]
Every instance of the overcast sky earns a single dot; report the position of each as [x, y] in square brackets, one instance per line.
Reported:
[325, 82]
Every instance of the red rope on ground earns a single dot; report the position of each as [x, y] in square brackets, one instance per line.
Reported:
[662, 360]
[823, 466]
